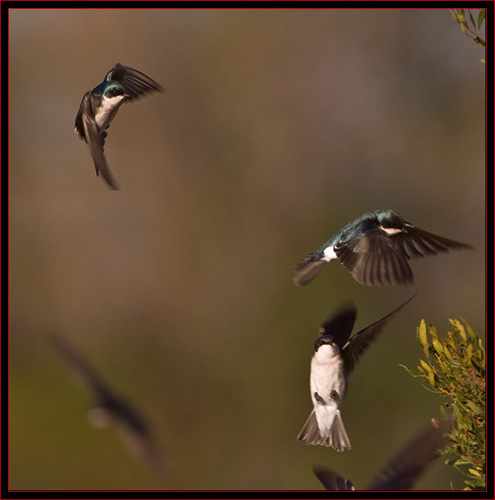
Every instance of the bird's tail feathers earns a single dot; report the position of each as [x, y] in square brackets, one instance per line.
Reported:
[337, 439]
[310, 431]
[307, 270]
[338, 435]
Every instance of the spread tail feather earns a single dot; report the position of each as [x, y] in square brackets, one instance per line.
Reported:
[307, 270]
[338, 435]
[310, 431]
[337, 439]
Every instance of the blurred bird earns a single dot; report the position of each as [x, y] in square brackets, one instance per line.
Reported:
[375, 248]
[405, 467]
[110, 408]
[100, 105]
[333, 361]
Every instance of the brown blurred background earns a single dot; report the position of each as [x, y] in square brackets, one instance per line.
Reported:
[277, 128]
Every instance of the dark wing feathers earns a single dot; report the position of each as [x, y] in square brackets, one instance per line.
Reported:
[331, 480]
[374, 259]
[136, 83]
[79, 126]
[339, 327]
[405, 468]
[416, 243]
[81, 367]
[363, 339]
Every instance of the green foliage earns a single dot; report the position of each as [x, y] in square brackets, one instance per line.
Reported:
[469, 26]
[454, 367]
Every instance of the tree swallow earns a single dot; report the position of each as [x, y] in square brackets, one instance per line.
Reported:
[333, 361]
[375, 248]
[110, 408]
[403, 470]
[100, 105]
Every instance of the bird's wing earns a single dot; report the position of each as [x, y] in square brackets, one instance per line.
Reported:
[95, 139]
[80, 366]
[363, 339]
[374, 259]
[340, 325]
[416, 242]
[405, 468]
[78, 125]
[142, 444]
[136, 83]
[331, 480]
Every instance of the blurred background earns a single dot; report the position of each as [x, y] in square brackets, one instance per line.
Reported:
[277, 128]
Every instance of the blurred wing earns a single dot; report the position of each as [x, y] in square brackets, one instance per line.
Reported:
[95, 140]
[374, 259]
[143, 447]
[417, 243]
[331, 480]
[136, 83]
[363, 339]
[340, 326]
[82, 369]
[406, 467]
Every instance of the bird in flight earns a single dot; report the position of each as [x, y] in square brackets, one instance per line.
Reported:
[375, 248]
[333, 361]
[112, 408]
[100, 105]
[404, 469]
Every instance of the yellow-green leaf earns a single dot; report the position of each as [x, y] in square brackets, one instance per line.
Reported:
[433, 331]
[470, 350]
[425, 365]
[423, 340]
[461, 330]
[471, 332]
[437, 345]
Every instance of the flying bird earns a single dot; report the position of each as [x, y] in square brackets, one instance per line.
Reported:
[333, 361]
[111, 408]
[404, 469]
[100, 105]
[375, 248]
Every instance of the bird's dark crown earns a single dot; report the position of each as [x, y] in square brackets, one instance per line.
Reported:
[390, 219]
[324, 340]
